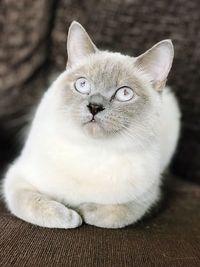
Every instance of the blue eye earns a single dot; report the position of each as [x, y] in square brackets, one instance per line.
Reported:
[82, 86]
[124, 94]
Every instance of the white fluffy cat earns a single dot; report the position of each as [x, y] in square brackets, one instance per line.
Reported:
[101, 138]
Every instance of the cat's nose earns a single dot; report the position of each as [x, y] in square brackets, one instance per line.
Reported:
[95, 108]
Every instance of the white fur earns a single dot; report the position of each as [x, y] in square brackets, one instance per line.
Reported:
[61, 168]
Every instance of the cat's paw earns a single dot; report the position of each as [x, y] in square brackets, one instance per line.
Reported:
[105, 216]
[56, 215]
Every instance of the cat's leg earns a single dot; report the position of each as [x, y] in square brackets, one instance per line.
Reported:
[25, 202]
[106, 216]
[115, 216]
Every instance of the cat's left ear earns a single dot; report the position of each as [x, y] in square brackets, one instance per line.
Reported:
[79, 44]
[157, 62]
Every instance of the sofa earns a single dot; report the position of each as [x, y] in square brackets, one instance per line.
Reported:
[32, 52]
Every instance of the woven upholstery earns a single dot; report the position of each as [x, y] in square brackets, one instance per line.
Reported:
[169, 240]
[24, 38]
[23, 49]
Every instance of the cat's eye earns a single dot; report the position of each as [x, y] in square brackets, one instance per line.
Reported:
[82, 85]
[124, 94]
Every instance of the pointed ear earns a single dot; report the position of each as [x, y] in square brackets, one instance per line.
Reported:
[157, 62]
[79, 44]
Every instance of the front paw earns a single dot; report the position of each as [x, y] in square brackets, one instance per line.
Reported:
[105, 216]
[56, 215]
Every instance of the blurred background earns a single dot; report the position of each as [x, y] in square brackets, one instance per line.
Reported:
[33, 48]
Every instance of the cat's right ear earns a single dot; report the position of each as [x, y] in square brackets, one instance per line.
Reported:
[157, 62]
[79, 44]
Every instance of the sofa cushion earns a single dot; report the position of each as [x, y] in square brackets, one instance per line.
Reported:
[24, 42]
[172, 238]
[23, 48]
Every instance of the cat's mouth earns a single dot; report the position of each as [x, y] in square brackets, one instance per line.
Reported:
[93, 127]
[93, 120]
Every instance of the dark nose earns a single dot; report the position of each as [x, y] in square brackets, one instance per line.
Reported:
[95, 108]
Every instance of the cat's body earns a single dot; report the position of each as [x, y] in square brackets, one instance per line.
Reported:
[110, 178]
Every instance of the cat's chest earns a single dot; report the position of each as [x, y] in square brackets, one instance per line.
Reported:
[80, 174]
[89, 166]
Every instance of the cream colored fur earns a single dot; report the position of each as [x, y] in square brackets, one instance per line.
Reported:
[65, 174]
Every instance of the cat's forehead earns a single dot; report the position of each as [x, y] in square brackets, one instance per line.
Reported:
[108, 70]
[109, 66]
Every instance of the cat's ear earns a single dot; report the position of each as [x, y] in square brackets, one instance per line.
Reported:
[157, 62]
[79, 44]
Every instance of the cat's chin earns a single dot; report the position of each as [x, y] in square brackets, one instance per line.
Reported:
[93, 128]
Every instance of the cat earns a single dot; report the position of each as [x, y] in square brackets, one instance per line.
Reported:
[103, 134]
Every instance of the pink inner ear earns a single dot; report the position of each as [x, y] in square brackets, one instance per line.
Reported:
[160, 66]
[79, 44]
[156, 62]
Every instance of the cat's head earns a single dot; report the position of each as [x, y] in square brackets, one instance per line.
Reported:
[106, 93]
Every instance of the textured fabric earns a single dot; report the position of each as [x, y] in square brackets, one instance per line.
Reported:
[24, 35]
[170, 239]
[24, 29]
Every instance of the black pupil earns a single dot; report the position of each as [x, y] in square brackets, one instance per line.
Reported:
[126, 92]
[83, 84]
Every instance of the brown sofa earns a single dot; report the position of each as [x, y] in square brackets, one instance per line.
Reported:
[32, 48]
